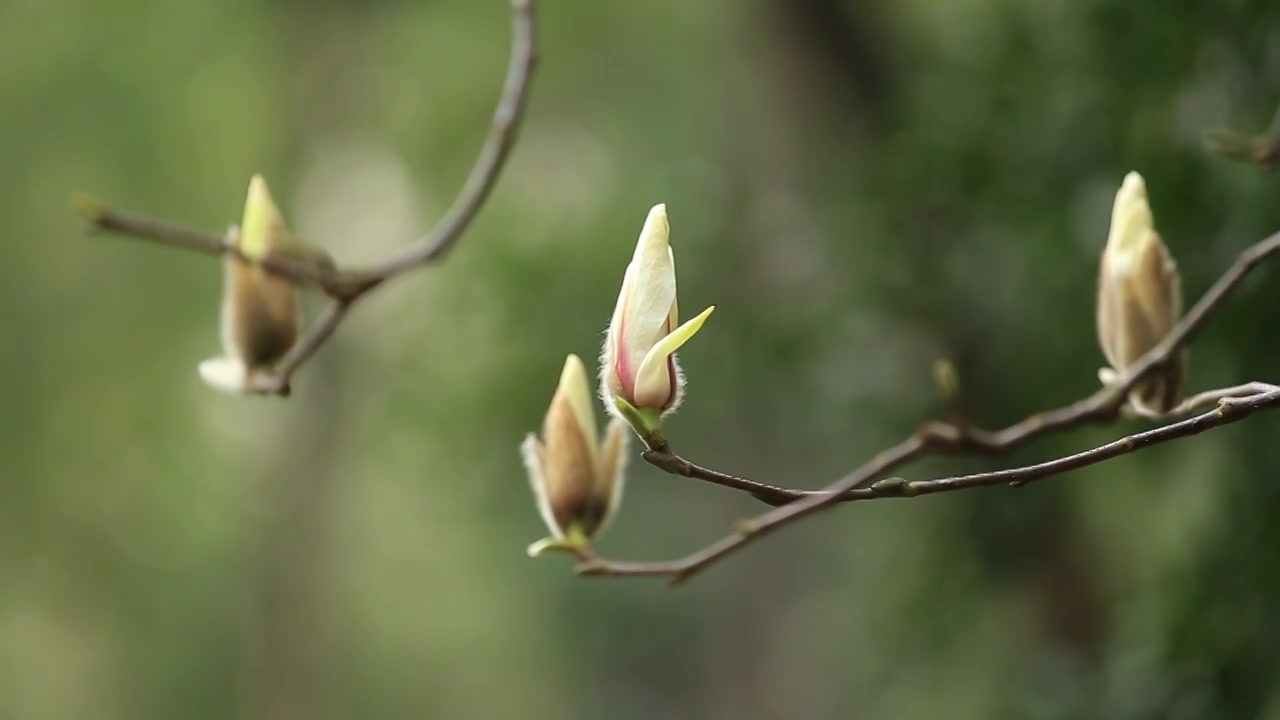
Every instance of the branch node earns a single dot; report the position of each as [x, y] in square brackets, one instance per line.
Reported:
[893, 487]
[88, 207]
[591, 568]
[680, 577]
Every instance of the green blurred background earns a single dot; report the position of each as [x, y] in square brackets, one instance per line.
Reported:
[861, 187]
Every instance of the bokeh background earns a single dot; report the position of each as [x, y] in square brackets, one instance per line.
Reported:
[861, 187]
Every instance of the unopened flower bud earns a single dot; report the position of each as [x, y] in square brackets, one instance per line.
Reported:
[1139, 300]
[640, 379]
[576, 477]
[259, 319]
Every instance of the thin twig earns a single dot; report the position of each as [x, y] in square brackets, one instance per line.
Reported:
[934, 437]
[861, 484]
[949, 438]
[344, 287]
[163, 232]
[101, 217]
[1208, 397]
[1229, 410]
[1262, 149]
[277, 382]
[506, 119]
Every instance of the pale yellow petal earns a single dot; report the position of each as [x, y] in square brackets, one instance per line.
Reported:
[674, 318]
[1155, 284]
[653, 380]
[613, 468]
[569, 463]
[262, 229]
[610, 383]
[577, 391]
[544, 545]
[1130, 215]
[650, 292]
[533, 453]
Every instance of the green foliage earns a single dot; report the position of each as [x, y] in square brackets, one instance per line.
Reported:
[358, 550]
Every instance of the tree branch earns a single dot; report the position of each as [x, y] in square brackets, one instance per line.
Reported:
[344, 287]
[864, 483]
[1230, 409]
[277, 382]
[502, 131]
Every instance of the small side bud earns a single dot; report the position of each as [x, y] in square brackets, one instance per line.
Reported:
[576, 477]
[947, 381]
[1139, 300]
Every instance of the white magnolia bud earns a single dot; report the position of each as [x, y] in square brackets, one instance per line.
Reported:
[577, 478]
[259, 320]
[638, 363]
[1139, 299]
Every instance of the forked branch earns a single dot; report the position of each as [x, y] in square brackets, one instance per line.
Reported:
[345, 286]
[868, 482]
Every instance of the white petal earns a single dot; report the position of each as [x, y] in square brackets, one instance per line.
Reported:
[610, 383]
[531, 450]
[226, 374]
[651, 291]
[1130, 218]
[653, 380]
[575, 388]
[613, 468]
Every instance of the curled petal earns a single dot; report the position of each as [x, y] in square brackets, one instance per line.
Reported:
[613, 467]
[654, 378]
[533, 453]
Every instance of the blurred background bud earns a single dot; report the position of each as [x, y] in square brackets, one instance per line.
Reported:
[259, 319]
[1139, 299]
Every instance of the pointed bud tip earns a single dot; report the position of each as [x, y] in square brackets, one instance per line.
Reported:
[1134, 185]
[262, 228]
[656, 226]
[575, 388]
[1131, 219]
[573, 369]
[259, 196]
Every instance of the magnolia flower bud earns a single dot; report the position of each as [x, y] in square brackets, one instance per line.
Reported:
[638, 365]
[576, 478]
[1139, 299]
[259, 320]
